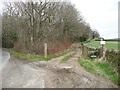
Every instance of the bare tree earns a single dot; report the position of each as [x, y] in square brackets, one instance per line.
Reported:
[36, 22]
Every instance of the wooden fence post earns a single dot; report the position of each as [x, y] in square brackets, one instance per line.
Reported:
[45, 50]
[85, 50]
[102, 50]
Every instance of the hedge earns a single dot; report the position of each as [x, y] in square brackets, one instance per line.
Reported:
[113, 57]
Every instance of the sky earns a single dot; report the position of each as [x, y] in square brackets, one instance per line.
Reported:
[102, 15]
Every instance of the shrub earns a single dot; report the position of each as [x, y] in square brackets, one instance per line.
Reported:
[112, 57]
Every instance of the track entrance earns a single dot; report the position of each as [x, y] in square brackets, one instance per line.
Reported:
[70, 51]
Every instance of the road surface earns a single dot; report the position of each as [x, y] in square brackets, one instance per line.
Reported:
[5, 57]
[17, 73]
[20, 73]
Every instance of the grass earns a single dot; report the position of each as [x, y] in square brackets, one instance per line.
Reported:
[37, 58]
[108, 45]
[67, 58]
[100, 68]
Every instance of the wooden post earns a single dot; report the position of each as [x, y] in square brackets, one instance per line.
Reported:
[102, 42]
[82, 50]
[58, 51]
[85, 51]
[70, 51]
[45, 50]
[102, 50]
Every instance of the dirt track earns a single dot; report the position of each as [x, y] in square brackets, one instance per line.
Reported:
[51, 74]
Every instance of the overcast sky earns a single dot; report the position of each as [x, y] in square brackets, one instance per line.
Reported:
[100, 14]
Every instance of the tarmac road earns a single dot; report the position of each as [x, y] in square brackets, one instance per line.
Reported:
[5, 56]
[18, 73]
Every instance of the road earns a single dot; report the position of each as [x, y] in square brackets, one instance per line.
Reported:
[5, 57]
[19, 73]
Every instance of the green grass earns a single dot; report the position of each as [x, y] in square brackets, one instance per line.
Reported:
[67, 58]
[37, 58]
[108, 45]
[100, 68]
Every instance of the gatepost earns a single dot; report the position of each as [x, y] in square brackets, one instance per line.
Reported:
[102, 42]
[45, 50]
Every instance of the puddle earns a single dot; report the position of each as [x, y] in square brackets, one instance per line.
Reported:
[85, 80]
[64, 69]
[39, 63]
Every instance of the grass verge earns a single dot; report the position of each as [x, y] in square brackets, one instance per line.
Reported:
[100, 68]
[37, 58]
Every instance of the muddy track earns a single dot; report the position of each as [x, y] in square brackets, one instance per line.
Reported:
[71, 74]
[53, 74]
